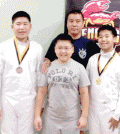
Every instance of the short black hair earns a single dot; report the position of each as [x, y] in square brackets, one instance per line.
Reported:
[75, 11]
[20, 14]
[108, 27]
[64, 37]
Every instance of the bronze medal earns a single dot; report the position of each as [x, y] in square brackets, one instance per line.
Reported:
[19, 70]
[20, 57]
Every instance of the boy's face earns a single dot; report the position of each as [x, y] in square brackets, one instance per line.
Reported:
[75, 24]
[21, 28]
[106, 40]
[63, 50]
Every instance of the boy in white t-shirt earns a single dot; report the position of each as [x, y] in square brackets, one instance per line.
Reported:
[63, 82]
[104, 73]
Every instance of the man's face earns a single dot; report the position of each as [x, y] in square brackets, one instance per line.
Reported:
[75, 24]
[21, 28]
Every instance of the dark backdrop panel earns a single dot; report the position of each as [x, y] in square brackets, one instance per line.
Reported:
[97, 13]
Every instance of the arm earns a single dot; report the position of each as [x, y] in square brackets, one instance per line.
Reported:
[42, 89]
[114, 120]
[50, 56]
[40, 58]
[116, 114]
[88, 68]
[38, 107]
[82, 122]
[45, 65]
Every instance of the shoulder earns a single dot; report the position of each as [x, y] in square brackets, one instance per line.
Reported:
[92, 62]
[52, 66]
[35, 46]
[76, 64]
[94, 57]
[7, 44]
[9, 41]
[53, 62]
[88, 41]
[116, 64]
[117, 58]
[85, 39]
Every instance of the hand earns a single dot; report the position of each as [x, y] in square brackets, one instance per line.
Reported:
[82, 122]
[45, 65]
[38, 123]
[114, 123]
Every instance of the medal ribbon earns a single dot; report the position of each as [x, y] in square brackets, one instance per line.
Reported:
[100, 71]
[19, 55]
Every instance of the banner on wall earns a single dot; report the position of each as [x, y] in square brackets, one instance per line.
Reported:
[97, 13]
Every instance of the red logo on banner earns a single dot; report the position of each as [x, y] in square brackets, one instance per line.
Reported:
[95, 14]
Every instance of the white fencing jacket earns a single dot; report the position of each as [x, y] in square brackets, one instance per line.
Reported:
[12, 84]
[106, 96]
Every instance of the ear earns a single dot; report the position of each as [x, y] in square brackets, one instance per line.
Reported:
[73, 50]
[54, 50]
[83, 24]
[12, 26]
[30, 26]
[115, 39]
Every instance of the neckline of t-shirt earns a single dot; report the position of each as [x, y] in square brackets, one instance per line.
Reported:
[65, 64]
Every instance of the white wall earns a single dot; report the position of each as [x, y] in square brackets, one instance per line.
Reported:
[47, 18]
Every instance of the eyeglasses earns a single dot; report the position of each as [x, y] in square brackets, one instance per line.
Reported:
[65, 49]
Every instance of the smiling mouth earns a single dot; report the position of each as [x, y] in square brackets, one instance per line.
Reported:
[74, 28]
[63, 56]
[22, 32]
[103, 45]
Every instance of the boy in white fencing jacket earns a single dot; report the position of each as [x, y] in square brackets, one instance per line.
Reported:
[20, 61]
[104, 73]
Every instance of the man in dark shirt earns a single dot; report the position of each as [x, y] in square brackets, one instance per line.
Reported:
[84, 48]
